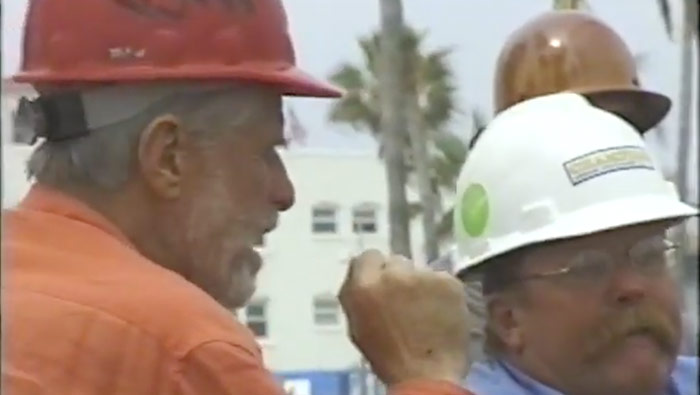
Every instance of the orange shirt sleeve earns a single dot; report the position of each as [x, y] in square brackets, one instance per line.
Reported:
[17, 382]
[220, 368]
[428, 387]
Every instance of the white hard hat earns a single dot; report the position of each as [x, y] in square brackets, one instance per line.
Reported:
[555, 167]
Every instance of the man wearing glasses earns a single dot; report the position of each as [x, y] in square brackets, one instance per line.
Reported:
[562, 217]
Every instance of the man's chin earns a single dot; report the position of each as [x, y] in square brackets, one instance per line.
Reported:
[238, 297]
[242, 276]
[637, 366]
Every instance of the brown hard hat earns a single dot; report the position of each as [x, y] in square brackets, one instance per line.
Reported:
[573, 51]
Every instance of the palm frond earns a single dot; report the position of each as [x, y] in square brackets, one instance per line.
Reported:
[356, 112]
[447, 160]
[435, 66]
[370, 51]
[432, 80]
[443, 173]
[412, 41]
[479, 125]
[451, 147]
[438, 106]
[349, 77]
[445, 225]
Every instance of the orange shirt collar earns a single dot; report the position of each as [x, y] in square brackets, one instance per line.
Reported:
[46, 199]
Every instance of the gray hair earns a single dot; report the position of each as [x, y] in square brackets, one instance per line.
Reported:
[104, 158]
[475, 304]
[498, 274]
[478, 314]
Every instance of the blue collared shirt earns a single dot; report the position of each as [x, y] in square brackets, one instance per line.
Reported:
[500, 378]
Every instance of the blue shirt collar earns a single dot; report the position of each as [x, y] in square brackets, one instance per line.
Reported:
[497, 377]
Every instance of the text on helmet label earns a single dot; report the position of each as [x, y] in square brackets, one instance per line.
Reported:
[600, 162]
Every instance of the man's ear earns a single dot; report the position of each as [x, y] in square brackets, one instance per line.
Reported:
[161, 156]
[504, 321]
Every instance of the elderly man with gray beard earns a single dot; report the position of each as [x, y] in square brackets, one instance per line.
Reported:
[156, 176]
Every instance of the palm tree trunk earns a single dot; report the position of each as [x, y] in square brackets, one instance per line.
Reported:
[393, 123]
[687, 84]
[686, 97]
[419, 152]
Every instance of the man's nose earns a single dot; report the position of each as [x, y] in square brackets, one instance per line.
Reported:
[282, 192]
[627, 285]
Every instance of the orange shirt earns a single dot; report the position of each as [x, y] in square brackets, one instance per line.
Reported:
[85, 313]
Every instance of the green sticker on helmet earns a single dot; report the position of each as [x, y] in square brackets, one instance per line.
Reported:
[474, 210]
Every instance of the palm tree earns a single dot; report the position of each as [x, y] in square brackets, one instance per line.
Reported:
[392, 122]
[360, 107]
[430, 100]
[438, 90]
[689, 34]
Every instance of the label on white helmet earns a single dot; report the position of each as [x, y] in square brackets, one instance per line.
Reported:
[604, 161]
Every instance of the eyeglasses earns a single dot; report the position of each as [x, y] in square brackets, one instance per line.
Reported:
[590, 267]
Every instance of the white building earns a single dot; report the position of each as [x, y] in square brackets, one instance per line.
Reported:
[340, 210]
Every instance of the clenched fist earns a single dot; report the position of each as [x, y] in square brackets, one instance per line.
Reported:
[409, 323]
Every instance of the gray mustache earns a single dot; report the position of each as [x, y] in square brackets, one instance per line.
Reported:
[645, 320]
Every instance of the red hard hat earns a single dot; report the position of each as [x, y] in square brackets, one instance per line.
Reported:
[106, 41]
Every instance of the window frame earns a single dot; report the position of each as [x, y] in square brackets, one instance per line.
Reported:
[358, 222]
[332, 307]
[330, 219]
[263, 319]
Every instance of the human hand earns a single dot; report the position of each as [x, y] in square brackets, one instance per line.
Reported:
[409, 323]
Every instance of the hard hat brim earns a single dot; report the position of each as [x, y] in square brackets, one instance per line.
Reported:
[296, 82]
[597, 218]
[289, 79]
[643, 109]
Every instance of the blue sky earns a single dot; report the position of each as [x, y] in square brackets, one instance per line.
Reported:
[325, 33]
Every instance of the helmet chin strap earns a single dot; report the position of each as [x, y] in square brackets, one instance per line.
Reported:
[54, 117]
[70, 114]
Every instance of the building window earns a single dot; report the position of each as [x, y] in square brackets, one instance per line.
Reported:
[324, 219]
[326, 311]
[364, 219]
[256, 317]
